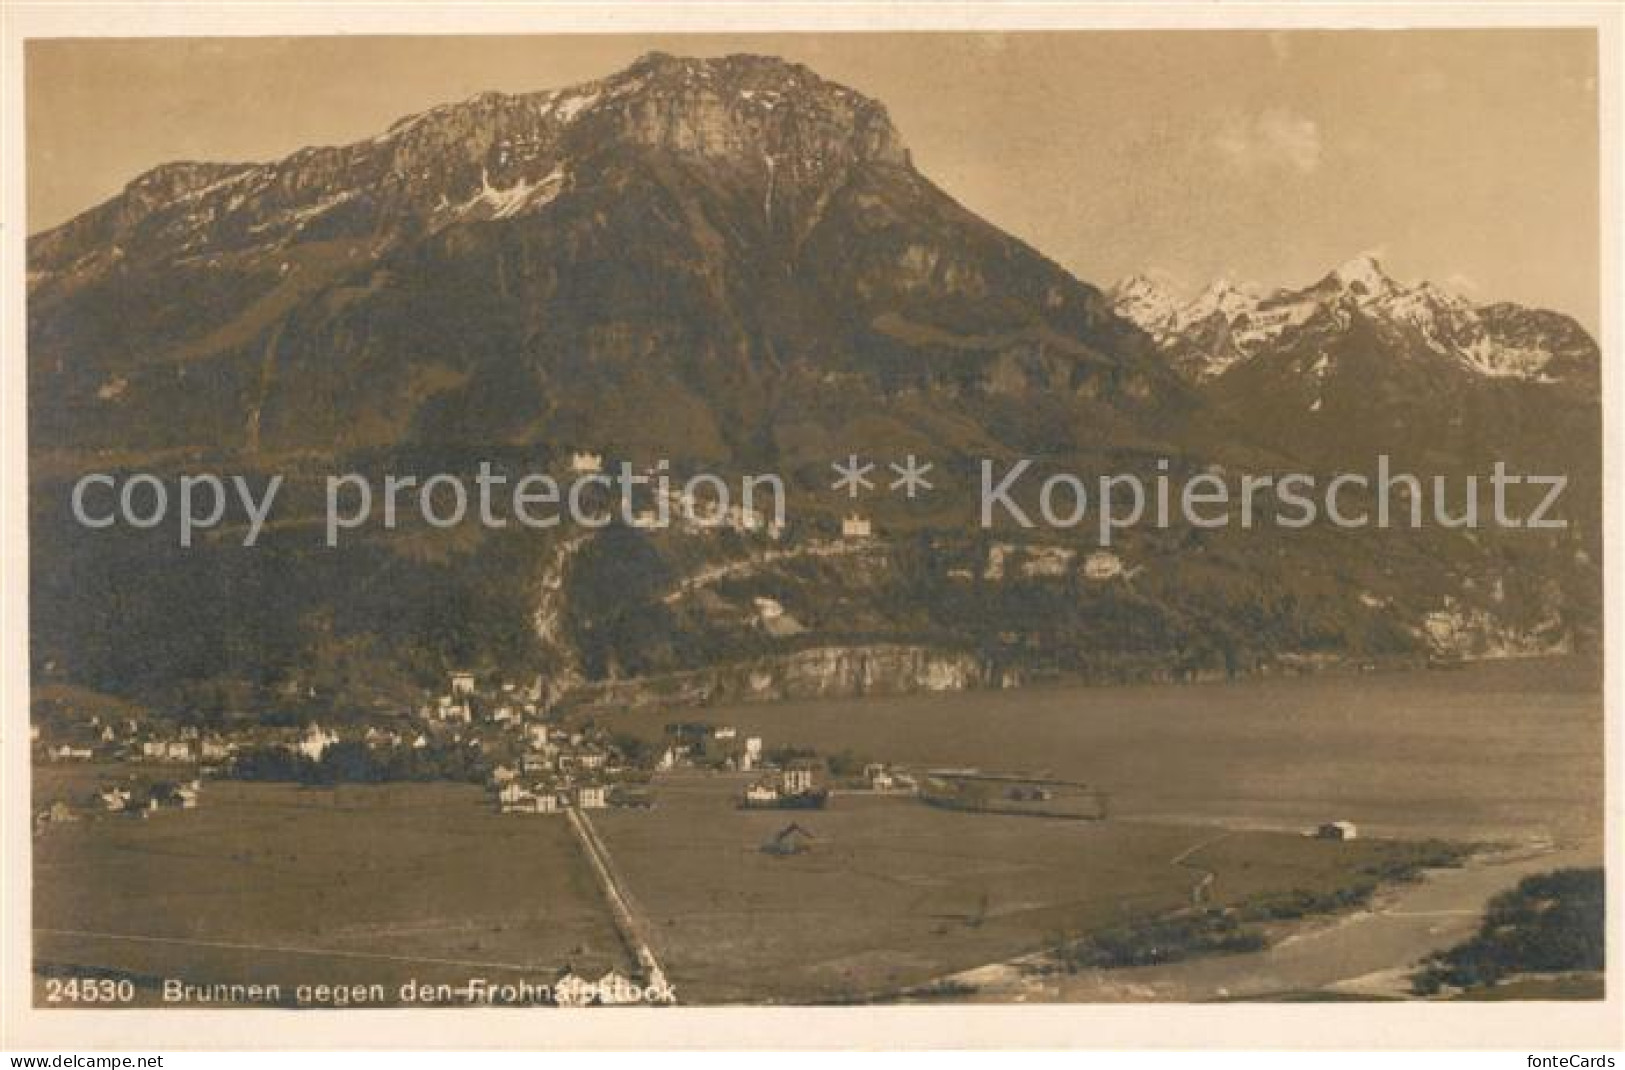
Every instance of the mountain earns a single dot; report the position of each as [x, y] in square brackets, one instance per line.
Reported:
[1228, 325]
[1358, 364]
[731, 263]
[700, 259]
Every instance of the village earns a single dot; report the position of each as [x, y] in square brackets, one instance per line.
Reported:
[531, 760]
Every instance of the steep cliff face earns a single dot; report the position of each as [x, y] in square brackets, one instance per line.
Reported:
[822, 672]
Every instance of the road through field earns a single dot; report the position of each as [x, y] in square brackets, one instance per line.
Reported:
[631, 927]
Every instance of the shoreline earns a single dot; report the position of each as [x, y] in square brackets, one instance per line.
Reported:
[1330, 955]
[702, 688]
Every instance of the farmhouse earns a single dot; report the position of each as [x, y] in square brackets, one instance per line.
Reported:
[462, 683]
[516, 798]
[854, 526]
[879, 777]
[541, 799]
[790, 840]
[592, 797]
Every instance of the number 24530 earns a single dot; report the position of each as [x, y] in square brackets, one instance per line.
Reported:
[88, 990]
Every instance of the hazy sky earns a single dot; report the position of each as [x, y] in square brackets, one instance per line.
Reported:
[1465, 157]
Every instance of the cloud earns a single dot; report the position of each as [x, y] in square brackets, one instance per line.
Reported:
[1273, 138]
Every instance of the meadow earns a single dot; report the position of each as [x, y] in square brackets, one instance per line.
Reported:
[891, 894]
[278, 884]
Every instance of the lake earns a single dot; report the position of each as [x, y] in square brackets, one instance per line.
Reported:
[1508, 750]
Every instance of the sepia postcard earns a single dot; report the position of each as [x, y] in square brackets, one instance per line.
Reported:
[947, 526]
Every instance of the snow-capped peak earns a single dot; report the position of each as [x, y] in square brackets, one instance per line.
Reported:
[1147, 300]
[1155, 306]
[1364, 276]
[1221, 297]
[1422, 319]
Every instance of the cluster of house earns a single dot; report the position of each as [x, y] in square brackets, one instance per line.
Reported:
[692, 744]
[133, 797]
[797, 784]
[112, 739]
[535, 763]
[560, 768]
[805, 783]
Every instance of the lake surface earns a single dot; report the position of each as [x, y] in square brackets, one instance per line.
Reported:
[1505, 751]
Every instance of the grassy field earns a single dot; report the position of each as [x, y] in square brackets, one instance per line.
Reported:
[307, 886]
[893, 893]
[276, 884]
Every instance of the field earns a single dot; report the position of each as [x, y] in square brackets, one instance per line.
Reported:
[271, 884]
[361, 885]
[892, 893]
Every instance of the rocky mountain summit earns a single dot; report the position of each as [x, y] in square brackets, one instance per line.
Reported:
[494, 156]
[732, 242]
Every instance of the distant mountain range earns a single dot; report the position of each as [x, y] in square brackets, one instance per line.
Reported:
[729, 262]
[1228, 325]
[1358, 364]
